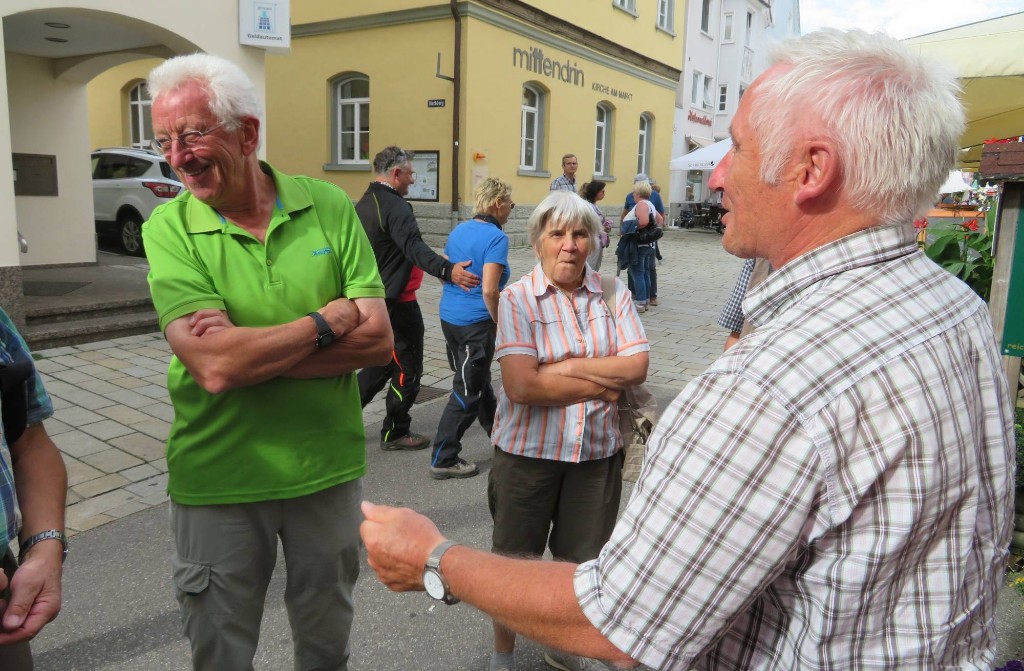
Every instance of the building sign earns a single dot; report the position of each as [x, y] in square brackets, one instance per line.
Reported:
[702, 119]
[613, 92]
[435, 102]
[265, 23]
[533, 59]
[426, 164]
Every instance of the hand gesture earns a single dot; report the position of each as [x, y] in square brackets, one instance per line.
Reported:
[398, 542]
[35, 597]
[208, 321]
[462, 277]
[342, 315]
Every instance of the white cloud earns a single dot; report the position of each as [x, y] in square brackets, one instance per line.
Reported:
[901, 18]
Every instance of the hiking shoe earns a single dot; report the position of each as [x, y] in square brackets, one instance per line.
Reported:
[641, 308]
[567, 662]
[653, 301]
[460, 469]
[410, 441]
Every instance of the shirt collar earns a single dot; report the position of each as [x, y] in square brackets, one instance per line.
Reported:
[291, 197]
[542, 285]
[863, 248]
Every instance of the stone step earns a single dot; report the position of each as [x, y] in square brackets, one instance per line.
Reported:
[87, 329]
[38, 316]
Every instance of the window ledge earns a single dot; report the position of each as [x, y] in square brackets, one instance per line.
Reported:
[533, 173]
[706, 34]
[667, 31]
[347, 167]
[631, 12]
[605, 178]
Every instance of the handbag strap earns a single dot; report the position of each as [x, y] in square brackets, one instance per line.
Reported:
[608, 287]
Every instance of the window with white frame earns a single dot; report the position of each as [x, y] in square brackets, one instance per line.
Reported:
[138, 110]
[643, 155]
[532, 128]
[628, 5]
[750, 28]
[351, 137]
[723, 96]
[602, 140]
[666, 14]
[705, 16]
[701, 91]
[727, 23]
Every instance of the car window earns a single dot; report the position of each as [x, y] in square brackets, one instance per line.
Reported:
[95, 162]
[137, 167]
[104, 167]
[168, 171]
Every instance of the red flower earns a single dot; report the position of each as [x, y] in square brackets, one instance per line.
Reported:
[971, 224]
[921, 223]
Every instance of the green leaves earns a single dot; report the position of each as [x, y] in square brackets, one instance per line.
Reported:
[966, 252]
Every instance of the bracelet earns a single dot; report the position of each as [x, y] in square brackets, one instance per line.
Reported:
[49, 534]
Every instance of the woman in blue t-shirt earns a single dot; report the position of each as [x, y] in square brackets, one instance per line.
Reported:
[469, 324]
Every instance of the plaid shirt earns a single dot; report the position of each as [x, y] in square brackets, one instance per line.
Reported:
[835, 492]
[563, 183]
[12, 349]
[732, 312]
[536, 319]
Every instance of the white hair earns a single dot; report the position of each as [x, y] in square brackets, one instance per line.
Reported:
[566, 207]
[231, 93]
[894, 117]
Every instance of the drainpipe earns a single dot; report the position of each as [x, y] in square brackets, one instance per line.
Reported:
[456, 105]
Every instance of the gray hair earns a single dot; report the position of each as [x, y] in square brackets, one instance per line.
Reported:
[389, 158]
[562, 206]
[642, 189]
[894, 117]
[231, 93]
[489, 192]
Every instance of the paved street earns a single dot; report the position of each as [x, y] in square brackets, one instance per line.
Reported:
[113, 415]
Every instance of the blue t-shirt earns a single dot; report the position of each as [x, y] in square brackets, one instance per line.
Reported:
[655, 201]
[481, 242]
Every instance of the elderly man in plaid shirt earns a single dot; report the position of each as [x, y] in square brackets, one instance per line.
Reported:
[836, 491]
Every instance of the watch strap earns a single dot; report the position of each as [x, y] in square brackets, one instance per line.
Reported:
[434, 564]
[49, 534]
[324, 332]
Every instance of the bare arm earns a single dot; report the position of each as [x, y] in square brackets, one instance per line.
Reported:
[521, 379]
[492, 276]
[643, 212]
[534, 598]
[221, 359]
[369, 344]
[41, 482]
[613, 372]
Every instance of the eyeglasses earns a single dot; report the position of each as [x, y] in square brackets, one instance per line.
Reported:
[185, 140]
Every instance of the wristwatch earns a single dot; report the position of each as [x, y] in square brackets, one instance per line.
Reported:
[433, 581]
[324, 333]
[49, 534]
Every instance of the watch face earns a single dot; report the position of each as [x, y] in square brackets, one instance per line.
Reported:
[433, 584]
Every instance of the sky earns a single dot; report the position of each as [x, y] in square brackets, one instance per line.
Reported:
[901, 18]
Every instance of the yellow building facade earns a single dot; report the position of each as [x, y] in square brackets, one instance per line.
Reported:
[477, 88]
[527, 81]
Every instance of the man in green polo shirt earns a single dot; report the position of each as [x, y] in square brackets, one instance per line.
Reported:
[269, 297]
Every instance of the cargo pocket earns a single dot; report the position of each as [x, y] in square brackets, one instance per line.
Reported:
[190, 577]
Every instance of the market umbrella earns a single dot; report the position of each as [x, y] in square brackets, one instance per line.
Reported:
[955, 183]
[988, 57]
[705, 158]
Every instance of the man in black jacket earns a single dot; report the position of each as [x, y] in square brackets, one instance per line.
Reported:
[402, 258]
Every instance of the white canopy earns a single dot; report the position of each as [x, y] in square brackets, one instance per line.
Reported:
[705, 158]
[955, 183]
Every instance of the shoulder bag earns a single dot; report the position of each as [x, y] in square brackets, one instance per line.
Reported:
[638, 409]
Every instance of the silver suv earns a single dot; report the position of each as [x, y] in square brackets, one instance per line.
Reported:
[127, 185]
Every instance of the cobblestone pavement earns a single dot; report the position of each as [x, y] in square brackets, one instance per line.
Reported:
[112, 412]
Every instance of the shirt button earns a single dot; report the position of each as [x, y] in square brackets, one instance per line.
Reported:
[269, 262]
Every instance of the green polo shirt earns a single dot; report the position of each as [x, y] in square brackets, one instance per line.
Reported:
[281, 438]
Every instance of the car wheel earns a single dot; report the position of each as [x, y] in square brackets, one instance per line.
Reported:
[130, 225]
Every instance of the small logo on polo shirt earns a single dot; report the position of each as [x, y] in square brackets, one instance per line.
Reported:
[323, 251]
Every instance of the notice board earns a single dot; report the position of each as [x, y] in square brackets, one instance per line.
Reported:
[1013, 328]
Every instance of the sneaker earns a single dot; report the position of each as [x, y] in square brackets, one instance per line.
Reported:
[567, 662]
[641, 308]
[653, 301]
[410, 441]
[460, 469]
